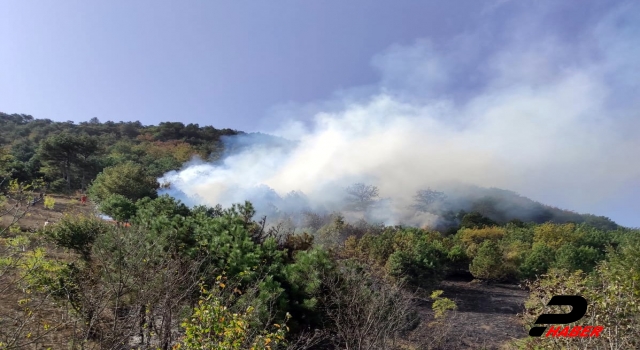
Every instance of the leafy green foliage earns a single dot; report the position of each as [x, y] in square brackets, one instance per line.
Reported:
[555, 235]
[6, 160]
[537, 261]
[613, 294]
[70, 155]
[76, 233]
[65, 151]
[129, 180]
[418, 256]
[441, 304]
[40, 272]
[488, 262]
[528, 250]
[118, 207]
[471, 238]
[285, 274]
[214, 326]
[49, 202]
[476, 220]
[572, 258]
[16, 200]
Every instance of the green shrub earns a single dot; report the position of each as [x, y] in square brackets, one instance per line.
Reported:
[456, 254]
[488, 263]
[118, 207]
[76, 233]
[58, 186]
[571, 258]
[476, 220]
[128, 179]
[538, 261]
[49, 202]
[613, 294]
[214, 326]
[440, 304]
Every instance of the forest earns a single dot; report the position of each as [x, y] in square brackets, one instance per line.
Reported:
[164, 275]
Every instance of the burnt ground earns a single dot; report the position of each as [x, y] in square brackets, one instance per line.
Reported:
[486, 317]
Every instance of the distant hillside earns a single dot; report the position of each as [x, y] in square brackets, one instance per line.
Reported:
[16, 128]
[69, 155]
[503, 206]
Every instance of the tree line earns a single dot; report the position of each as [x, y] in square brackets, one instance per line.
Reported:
[68, 155]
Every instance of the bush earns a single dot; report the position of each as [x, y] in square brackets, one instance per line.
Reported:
[49, 202]
[488, 263]
[127, 179]
[76, 233]
[572, 258]
[118, 207]
[420, 265]
[556, 235]
[537, 261]
[613, 295]
[58, 186]
[476, 220]
[441, 305]
[214, 326]
[456, 254]
[473, 237]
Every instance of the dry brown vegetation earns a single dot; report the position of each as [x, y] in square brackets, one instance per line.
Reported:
[37, 214]
[31, 320]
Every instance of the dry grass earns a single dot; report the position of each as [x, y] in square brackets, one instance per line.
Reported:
[48, 325]
[38, 214]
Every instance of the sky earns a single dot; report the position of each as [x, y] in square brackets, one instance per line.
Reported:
[223, 63]
[546, 91]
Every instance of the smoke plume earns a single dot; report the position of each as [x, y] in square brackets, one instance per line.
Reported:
[510, 106]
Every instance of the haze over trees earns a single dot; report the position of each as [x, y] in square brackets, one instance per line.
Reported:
[361, 196]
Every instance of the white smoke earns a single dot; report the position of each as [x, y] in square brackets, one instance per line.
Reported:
[552, 120]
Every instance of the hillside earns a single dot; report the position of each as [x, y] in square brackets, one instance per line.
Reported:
[33, 146]
[69, 155]
[503, 206]
[333, 280]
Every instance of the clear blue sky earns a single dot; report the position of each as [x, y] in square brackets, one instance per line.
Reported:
[212, 62]
[223, 63]
[236, 64]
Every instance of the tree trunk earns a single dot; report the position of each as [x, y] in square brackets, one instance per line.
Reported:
[67, 170]
[166, 324]
[83, 182]
[150, 326]
[141, 324]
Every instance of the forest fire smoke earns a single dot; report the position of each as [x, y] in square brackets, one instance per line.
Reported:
[538, 115]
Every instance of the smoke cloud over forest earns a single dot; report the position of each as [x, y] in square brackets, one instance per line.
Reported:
[546, 116]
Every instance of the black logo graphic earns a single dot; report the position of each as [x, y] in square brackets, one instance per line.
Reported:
[578, 310]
